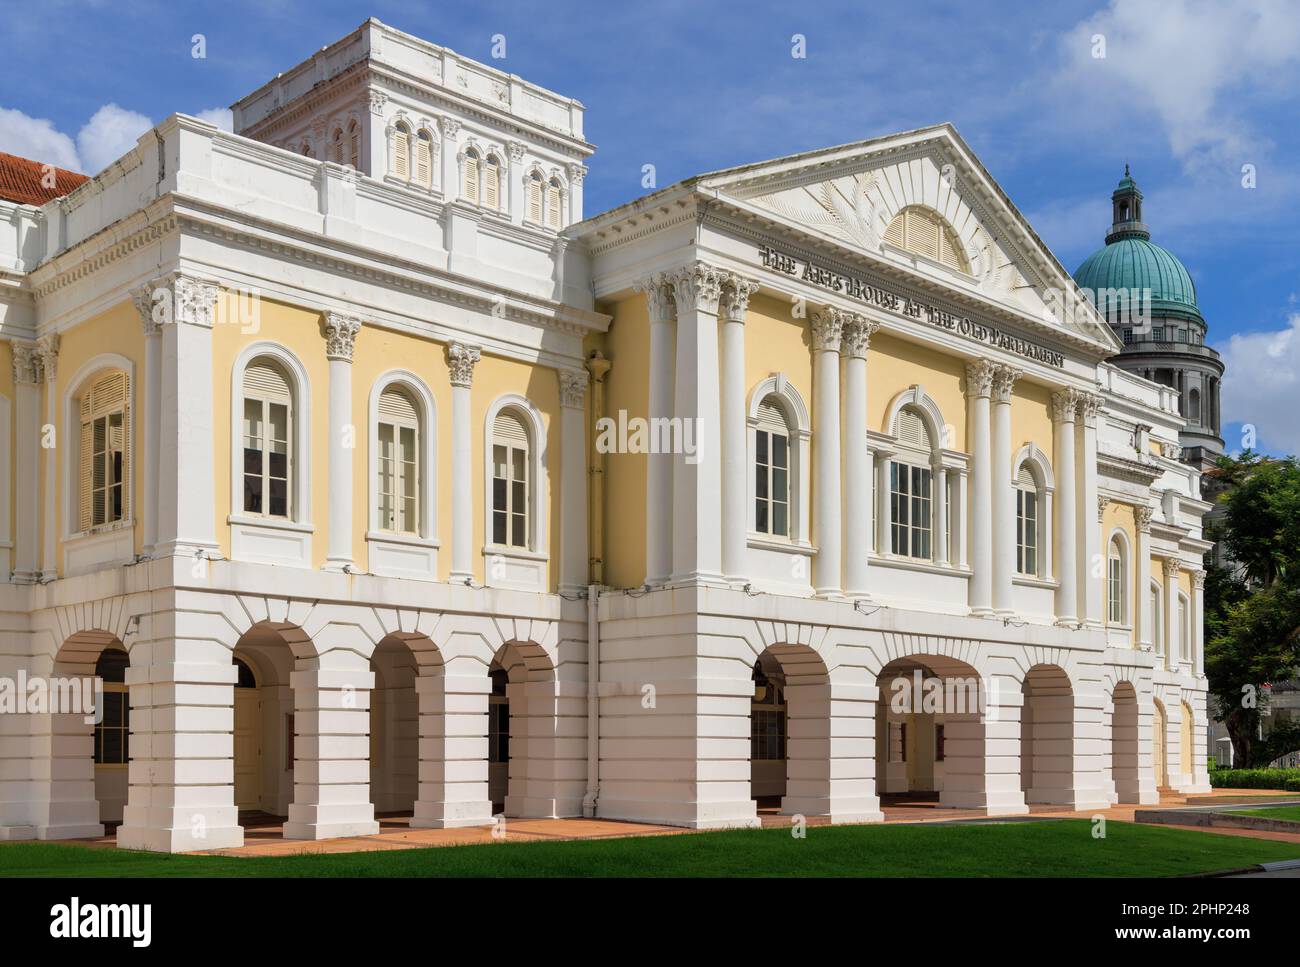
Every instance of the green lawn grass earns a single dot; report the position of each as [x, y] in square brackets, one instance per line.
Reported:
[1274, 812]
[1045, 848]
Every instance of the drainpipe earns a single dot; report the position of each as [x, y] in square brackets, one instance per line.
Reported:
[599, 367]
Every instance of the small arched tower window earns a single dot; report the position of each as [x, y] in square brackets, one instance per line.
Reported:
[471, 178]
[423, 159]
[491, 182]
[354, 144]
[554, 195]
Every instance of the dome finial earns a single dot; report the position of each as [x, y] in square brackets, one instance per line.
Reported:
[1126, 174]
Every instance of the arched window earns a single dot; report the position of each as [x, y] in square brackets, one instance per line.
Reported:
[397, 488]
[103, 489]
[554, 194]
[1117, 582]
[1194, 405]
[1028, 519]
[772, 470]
[510, 481]
[401, 150]
[536, 198]
[112, 731]
[911, 487]
[424, 159]
[336, 152]
[354, 144]
[471, 176]
[267, 439]
[491, 182]
[924, 231]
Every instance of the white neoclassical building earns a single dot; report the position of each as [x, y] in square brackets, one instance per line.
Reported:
[369, 479]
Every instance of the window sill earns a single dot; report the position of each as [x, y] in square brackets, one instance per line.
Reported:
[402, 556]
[265, 540]
[762, 542]
[916, 564]
[514, 568]
[1028, 581]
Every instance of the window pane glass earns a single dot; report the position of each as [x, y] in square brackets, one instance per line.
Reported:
[519, 535]
[519, 466]
[760, 446]
[253, 493]
[779, 524]
[498, 461]
[780, 454]
[760, 515]
[498, 527]
[253, 423]
[279, 506]
[498, 494]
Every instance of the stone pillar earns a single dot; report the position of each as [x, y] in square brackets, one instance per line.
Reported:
[47, 349]
[373, 158]
[1142, 616]
[1004, 495]
[979, 387]
[340, 337]
[450, 173]
[461, 360]
[827, 330]
[547, 767]
[832, 766]
[149, 414]
[857, 460]
[697, 477]
[1171, 630]
[1198, 625]
[186, 498]
[331, 748]
[940, 543]
[1065, 405]
[1089, 407]
[982, 764]
[182, 770]
[453, 751]
[884, 538]
[662, 308]
[516, 181]
[735, 429]
[577, 173]
[27, 462]
[573, 480]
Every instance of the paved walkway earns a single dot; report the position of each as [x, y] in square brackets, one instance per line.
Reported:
[262, 836]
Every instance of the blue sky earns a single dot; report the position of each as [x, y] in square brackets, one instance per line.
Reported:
[1188, 92]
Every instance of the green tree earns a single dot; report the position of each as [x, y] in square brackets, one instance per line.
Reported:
[1252, 617]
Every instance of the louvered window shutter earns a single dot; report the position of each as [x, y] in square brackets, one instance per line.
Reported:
[911, 429]
[553, 205]
[509, 429]
[1025, 478]
[894, 233]
[423, 159]
[771, 419]
[535, 200]
[402, 153]
[264, 379]
[354, 145]
[491, 183]
[471, 177]
[85, 466]
[922, 234]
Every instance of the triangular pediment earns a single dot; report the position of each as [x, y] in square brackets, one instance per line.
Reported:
[854, 196]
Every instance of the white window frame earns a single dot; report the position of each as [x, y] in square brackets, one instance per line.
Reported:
[514, 567]
[1045, 485]
[404, 554]
[1118, 538]
[799, 426]
[935, 457]
[107, 544]
[1157, 617]
[401, 126]
[273, 540]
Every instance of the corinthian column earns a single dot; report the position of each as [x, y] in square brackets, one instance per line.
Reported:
[461, 360]
[697, 471]
[27, 464]
[573, 478]
[147, 400]
[47, 349]
[340, 337]
[1089, 407]
[1142, 634]
[979, 387]
[1004, 495]
[827, 330]
[735, 301]
[1065, 550]
[662, 307]
[856, 341]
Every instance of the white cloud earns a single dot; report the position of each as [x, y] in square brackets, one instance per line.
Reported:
[1190, 62]
[1261, 385]
[37, 139]
[220, 116]
[110, 133]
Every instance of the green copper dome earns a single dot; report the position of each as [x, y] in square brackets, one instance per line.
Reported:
[1130, 260]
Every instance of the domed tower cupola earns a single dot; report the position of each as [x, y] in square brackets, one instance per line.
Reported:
[1126, 205]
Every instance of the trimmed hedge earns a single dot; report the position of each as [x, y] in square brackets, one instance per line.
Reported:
[1288, 779]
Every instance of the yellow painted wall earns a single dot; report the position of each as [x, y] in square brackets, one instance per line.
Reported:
[894, 364]
[777, 342]
[116, 330]
[1119, 516]
[627, 345]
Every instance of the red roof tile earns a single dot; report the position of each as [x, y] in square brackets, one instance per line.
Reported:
[24, 181]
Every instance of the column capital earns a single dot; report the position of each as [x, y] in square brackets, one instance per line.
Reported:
[340, 333]
[461, 359]
[175, 297]
[449, 127]
[1089, 407]
[1065, 405]
[698, 288]
[858, 330]
[827, 328]
[573, 388]
[979, 377]
[47, 353]
[577, 172]
[736, 291]
[516, 151]
[1142, 515]
[377, 100]
[26, 363]
[1198, 579]
[660, 301]
[1004, 380]
[1171, 567]
[1102, 501]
